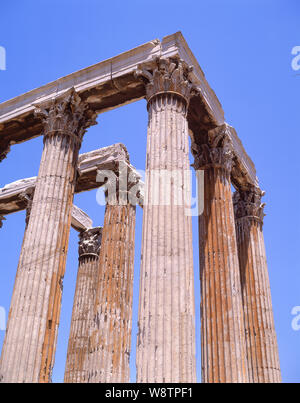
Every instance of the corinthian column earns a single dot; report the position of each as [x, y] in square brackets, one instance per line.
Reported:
[30, 341]
[166, 336]
[262, 350]
[84, 301]
[223, 334]
[112, 322]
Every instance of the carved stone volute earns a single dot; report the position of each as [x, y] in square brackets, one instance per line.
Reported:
[216, 152]
[67, 115]
[168, 76]
[90, 242]
[248, 204]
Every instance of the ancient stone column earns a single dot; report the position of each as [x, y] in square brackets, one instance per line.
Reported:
[83, 307]
[29, 346]
[222, 327]
[110, 338]
[166, 335]
[261, 342]
[26, 198]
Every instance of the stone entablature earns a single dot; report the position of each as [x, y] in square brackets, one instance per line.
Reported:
[18, 195]
[117, 76]
[113, 83]
[107, 158]
[67, 116]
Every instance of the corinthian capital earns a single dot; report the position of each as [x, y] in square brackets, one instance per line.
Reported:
[248, 204]
[90, 242]
[217, 157]
[215, 152]
[167, 76]
[67, 115]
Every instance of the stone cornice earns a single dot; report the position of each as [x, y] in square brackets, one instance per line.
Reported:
[124, 186]
[244, 173]
[119, 72]
[90, 242]
[217, 157]
[112, 159]
[112, 83]
[27, 195]
[67, 116]
[247, 204]
[104, 158]
[80, 220]
[18, 196]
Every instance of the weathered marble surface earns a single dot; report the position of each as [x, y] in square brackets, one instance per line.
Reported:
[223, 344]
[166, 323]
[261, 341]
[89, 164]
[77, 364]
[112, 83]
[28, 352]
[110, 337]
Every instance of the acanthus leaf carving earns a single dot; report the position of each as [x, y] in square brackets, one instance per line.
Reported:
[216, 152]
[68, 115]
[90, 242]
[167, 76]
[247, 203]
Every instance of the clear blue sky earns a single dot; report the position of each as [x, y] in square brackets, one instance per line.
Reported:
[244, 48]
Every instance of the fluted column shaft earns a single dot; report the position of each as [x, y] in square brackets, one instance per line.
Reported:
[29, 347]
[261, 342]
[83, 306]
[26, 197]
[166, 334]
[222, 327]
[110, 338]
